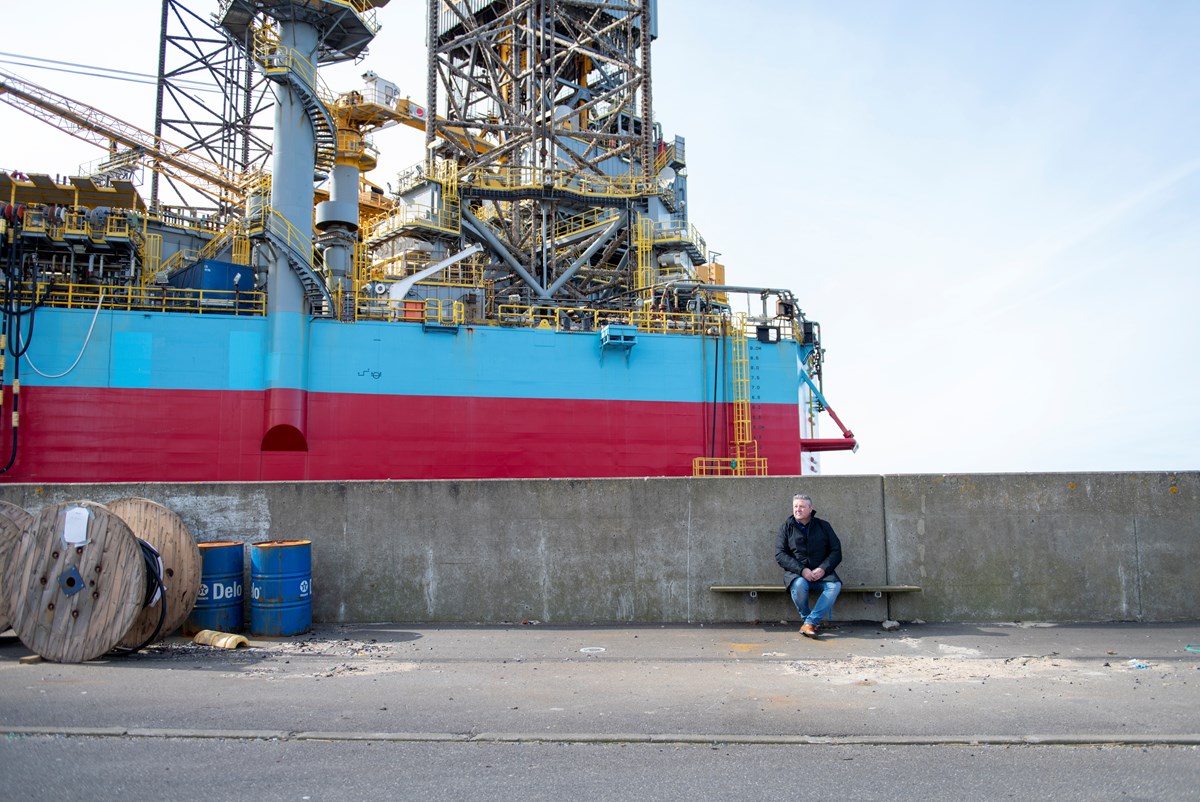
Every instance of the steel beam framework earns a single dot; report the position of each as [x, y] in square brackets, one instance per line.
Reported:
[210, 100]
[559, 93]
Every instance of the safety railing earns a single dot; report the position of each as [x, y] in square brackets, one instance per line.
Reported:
[412, 177]
[174, 262]
[368, 307]
[277, 58]
[467, 273]
[585, 221]
[300, 244]
[204, 224]
[513, 179]
[563, 318]
[666, 231]
[233, 236]
[413, 215]
[739, 379]
[116, 226]
[365, 9]
[643, 241]
[280, 62]
[750, 327]
[446, 172]
[669, 152]
[75, 225]
[222, 241]
[743, 458]
[142, 299]
[353, 147]
[37, 222]
[444, 312]
[729, 466]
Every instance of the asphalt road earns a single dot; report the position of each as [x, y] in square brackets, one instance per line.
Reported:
[933, 711]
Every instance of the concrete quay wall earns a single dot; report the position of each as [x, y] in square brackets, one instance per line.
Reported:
[1003, 547]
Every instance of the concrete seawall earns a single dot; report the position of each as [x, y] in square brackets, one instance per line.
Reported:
[1032, 547]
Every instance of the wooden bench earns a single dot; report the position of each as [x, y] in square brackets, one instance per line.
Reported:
[777, 587]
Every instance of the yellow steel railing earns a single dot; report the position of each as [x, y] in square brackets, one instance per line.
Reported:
[277, 58]
[542, 178]
[36, 222]
[670, 151]
[223, 240]
[589, 319]
[410, 216]
[674, 231]
[729, 466]
[143, 299]
[232, 236]
[296, 241]
[176, 261]
[116, 226]
[363, 8]
[444, 312]
[467, 273]
[592, 218]
[75, 224]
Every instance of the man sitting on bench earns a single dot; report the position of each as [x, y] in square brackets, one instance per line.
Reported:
[808, 551]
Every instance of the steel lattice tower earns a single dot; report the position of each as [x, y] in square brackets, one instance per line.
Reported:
[545, 108]
[210, 100]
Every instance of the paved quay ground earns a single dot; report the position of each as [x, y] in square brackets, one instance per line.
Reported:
[923, 684]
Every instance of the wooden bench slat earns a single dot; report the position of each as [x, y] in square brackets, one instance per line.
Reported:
[779, 588]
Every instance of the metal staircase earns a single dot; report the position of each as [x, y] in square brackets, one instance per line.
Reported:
[285, 65]
[302, 257]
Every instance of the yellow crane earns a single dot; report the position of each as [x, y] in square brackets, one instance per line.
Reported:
[90, 124]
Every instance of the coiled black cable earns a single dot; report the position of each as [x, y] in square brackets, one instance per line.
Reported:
[154, 586]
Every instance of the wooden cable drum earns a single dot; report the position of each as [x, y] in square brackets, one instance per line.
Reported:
[169, 535]
[13, 520]
[76, 581]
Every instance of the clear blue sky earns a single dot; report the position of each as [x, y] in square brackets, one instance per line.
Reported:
[991, 207]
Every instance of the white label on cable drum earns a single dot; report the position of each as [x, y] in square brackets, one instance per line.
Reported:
[75, 526]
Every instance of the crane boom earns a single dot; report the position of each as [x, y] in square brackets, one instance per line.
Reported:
[92, 125]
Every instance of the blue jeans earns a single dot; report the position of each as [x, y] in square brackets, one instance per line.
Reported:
[800, 588]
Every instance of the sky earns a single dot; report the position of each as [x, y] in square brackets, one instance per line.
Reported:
[992, 208]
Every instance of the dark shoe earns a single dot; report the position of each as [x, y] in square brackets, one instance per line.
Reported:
[808, 631]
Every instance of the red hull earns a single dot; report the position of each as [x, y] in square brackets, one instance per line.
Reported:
[90, 435]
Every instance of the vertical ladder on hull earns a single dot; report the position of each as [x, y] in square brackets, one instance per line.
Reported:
[743, 459]
[744, 448]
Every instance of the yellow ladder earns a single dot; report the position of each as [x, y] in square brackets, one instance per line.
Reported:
[445, 172]
[743, 459]
[643, 241]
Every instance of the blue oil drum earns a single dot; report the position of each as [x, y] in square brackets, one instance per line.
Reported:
[219, 603]
[281, 587]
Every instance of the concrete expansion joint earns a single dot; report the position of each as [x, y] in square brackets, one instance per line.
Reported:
[1090, 739]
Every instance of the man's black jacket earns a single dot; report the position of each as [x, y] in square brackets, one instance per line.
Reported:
[820, 549]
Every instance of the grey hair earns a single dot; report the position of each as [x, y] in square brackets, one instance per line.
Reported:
[802, 497]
